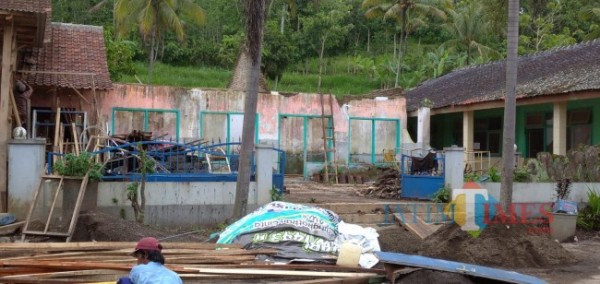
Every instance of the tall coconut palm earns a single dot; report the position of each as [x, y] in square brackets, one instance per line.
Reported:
[255, 18]
[399, 10]
[154, 19]
[469, 28]
[508, 157]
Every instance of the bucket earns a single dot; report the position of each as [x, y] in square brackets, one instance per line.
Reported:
[349, 255]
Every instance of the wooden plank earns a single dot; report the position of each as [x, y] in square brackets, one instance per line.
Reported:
[7, 56]
[60, 183]
[75, 137]
[11, 228]
[14, 107]
[417, 226]
[232, 271]
[56, 130]
[55, 246]
[42, 233]
[358, 280]
[75, 216]
[65, 273]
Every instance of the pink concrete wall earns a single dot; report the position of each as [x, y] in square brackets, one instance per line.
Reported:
[190, 102]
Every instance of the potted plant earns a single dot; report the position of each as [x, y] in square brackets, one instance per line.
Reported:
[564, 212]
[74, 168]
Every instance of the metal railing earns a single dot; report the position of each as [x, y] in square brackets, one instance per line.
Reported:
[173, 161]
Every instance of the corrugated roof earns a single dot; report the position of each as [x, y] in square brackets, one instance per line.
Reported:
[567, 69]
[73, 49]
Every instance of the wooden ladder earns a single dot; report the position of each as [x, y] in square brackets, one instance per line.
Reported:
[330, 161]
[74, 216]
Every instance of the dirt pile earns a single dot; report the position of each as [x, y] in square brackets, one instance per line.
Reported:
[99, 226]
[387, 186]
[509, 246]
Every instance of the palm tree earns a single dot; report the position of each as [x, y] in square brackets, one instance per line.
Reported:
[469, 30]
[508, 157]
[154, 18]
[399, 11]
[255, 18]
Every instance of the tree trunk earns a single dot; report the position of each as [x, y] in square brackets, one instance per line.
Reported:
[368, 40]
[508, 157]
[282, 23]
[254, 33]
[402, 43]
[323, 39]
[151, 57]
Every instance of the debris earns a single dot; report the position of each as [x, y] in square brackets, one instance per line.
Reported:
[106, 261]
[387, 186]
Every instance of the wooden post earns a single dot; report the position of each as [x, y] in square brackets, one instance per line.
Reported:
[14, 107]
[7, 56]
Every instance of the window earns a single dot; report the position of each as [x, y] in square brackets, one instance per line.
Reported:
[538, 133]
[161, 122]
[579, 128]
[488, 134]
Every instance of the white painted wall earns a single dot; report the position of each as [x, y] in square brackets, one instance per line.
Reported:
[541, 192]
[177, 203]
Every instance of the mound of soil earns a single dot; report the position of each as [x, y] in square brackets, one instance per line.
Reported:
[102, 227]
[508, 246]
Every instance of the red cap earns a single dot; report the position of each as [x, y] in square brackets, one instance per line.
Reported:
[148, 243]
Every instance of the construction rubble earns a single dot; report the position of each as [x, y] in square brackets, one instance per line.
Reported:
[279, 241]
[387, 186]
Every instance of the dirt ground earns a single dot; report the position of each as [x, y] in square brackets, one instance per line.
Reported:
[393, 238]
[571, 262]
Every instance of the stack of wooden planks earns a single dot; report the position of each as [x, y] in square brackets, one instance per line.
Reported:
[105, 262]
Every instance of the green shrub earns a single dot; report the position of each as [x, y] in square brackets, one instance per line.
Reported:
[79, 166]
[472, 176]
[276, 195]
[443, 195]
[589, 217]
[494, 174]
[520, 175]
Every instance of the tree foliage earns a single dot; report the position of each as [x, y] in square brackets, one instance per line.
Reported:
[154, 19]
[471, 32]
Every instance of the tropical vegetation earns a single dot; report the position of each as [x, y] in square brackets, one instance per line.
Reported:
[349, 46]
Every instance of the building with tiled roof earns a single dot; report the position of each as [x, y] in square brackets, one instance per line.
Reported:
[75, 58]
[558, 103]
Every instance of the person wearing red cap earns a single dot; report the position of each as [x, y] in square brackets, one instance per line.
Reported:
[150, 268]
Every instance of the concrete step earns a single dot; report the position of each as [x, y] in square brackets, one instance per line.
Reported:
[382, 207]
[356, 218]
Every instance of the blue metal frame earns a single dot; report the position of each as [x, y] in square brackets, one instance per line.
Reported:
[156, 149]
[421, 186]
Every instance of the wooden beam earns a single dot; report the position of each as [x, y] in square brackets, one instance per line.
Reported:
[14, 107]
[75, 137]
[245, 271]
[105, 246]
[7, 56]
[11, 228]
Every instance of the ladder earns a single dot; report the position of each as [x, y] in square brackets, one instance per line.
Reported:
[69, 209]
[330, 162]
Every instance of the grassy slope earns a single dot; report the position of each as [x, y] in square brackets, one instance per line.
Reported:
[338, 78]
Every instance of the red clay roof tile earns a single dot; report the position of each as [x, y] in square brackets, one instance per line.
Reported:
[77, 51]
